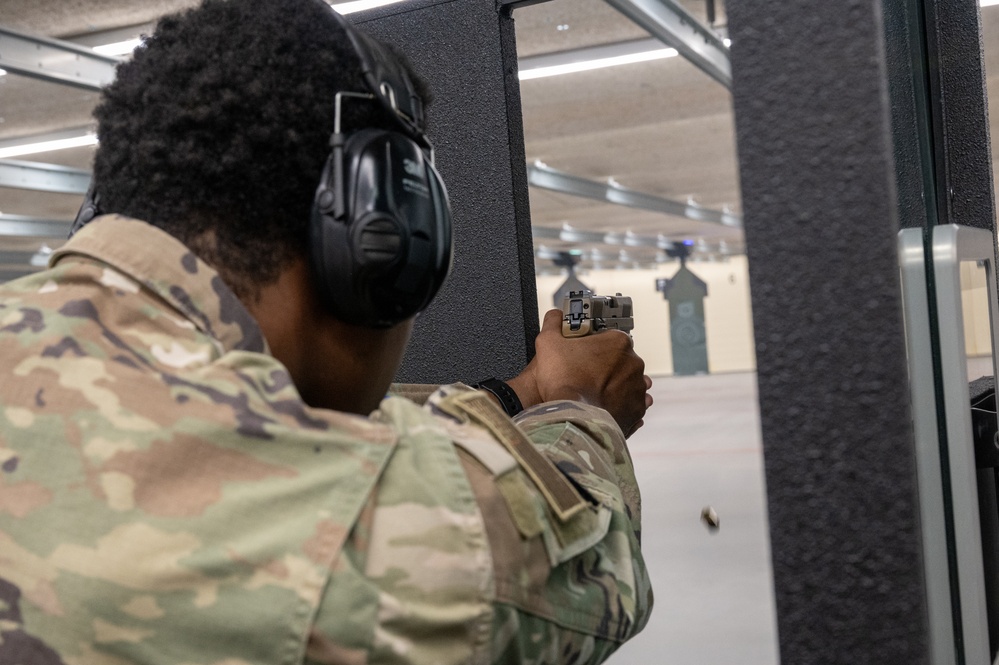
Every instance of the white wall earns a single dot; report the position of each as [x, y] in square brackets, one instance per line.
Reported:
[727, 311]
[975, 305]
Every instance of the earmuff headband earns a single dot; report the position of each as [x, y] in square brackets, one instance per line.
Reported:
[388, 81]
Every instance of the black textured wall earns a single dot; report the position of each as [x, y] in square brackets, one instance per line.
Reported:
[484, 321]
[911, 112]
[961, 128]
[813, 131]
[939, 111]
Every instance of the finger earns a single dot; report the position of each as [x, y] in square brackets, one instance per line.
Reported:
[620, 339]
[648, 401]
[552, 321]
[631, 340]
[648, 382]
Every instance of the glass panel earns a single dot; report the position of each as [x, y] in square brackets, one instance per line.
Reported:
[627, 162]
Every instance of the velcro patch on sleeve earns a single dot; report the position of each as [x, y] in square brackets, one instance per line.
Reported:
[490, 453]
[515, 491]
[562, 496]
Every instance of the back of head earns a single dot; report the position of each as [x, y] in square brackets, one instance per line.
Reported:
[218, 128]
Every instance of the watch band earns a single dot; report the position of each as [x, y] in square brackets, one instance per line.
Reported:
[505, 394]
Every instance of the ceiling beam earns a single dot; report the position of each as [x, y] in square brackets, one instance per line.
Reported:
[19, 226]
[516, 4]
[545, 177]
[52, 178]
[55, 61]
[43, 177]
[92, 38]
[672, 24]
[629, 239]
[15, 260]
[601, 259]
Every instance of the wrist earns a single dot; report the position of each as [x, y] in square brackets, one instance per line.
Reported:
[526, 389]
[503, 394]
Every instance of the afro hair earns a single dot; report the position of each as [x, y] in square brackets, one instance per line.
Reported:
[217, 130]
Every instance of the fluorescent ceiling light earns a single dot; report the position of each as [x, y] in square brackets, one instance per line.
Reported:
[118, 48]
[361, 5]
[988, 3]
[46, 146]
[599, 63]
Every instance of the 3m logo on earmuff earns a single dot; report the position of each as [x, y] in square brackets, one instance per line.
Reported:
[417, 170]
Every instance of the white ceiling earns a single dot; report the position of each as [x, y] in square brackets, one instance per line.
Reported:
[661, 128]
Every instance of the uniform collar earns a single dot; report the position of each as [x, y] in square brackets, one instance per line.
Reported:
[169, 269]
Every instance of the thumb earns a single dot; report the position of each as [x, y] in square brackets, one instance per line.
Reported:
[552, 321]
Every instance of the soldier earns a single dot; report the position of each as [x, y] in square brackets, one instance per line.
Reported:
[197, 461]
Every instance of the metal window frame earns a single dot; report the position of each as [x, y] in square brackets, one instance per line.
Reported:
[951, 245]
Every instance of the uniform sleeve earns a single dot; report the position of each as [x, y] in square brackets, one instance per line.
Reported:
[414, 392]
[568, 588]
[581, 440]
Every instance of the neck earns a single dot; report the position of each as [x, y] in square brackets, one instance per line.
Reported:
[334, 365]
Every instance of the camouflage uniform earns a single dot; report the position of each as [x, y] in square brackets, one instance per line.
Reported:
[166, 496]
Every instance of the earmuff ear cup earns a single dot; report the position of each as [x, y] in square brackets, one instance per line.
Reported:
[380, 241]
[91, 208]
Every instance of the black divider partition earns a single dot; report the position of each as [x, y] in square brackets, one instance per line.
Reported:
[485, 319]
[820, 210]
[961, 126]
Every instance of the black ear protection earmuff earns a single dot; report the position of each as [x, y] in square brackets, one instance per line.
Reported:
[380, 230]
[380, 233]
[91, 208]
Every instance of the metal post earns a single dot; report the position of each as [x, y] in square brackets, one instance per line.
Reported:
[819, 211]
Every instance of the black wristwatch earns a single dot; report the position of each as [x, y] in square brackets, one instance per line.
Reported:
[504, 393]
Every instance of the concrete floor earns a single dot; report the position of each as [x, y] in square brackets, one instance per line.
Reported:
[714, 599]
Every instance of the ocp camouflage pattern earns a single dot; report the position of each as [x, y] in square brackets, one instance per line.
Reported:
[167, 498]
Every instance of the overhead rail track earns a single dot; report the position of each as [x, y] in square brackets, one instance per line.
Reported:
[55, 61]
[627, 240]
[545, 177]
[53, 178]
[43, 177]
[20, 226]
[669, 22]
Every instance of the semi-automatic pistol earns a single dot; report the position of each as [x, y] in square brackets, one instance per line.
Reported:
[584, 313]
